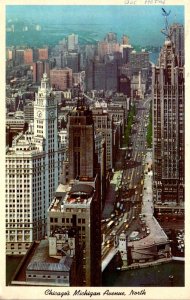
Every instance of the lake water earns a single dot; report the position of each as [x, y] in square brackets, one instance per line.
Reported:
[154, 57]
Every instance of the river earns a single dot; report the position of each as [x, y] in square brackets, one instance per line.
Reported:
[150, 276]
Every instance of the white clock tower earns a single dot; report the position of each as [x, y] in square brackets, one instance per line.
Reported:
[46, 136]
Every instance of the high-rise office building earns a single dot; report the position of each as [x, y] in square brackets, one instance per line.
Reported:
[42, 53]
[111, 75]
[177, 37]
[28, 56]
[111, 37]
[33, 165]
[102, 76]
[90, 51]
[61, 79]
[81, 144]
[29, 111]
[124, 85]
[19, 57]
[168, 127]
[72, 42]
[72, 61]
[139, 61]
[39, 68]
[125, 40]
[106, 47]
[78, 203]
[126, 50]
[104, 122]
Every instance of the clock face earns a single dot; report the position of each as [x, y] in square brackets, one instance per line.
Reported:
[51, 114]
[39, 114]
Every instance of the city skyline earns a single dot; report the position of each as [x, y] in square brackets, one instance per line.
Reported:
[135, 21]
[114, 81]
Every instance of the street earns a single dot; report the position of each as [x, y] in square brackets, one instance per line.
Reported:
[124, 197]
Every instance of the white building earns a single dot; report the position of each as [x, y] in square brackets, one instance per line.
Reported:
[72, 42]
[33, 167]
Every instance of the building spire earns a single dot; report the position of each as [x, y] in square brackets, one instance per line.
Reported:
[44, 82]
[166, 31]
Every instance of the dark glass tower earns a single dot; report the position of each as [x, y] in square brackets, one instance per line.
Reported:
[81, 143]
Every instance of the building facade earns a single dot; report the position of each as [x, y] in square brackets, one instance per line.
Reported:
[168, 127]
[61, 79]
[177, 37]
[28, 56]
[72, 42]
[77, 202]
[38, 69]
[33, 166]
[104, 123]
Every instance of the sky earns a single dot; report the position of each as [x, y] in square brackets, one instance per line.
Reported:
[138, 22]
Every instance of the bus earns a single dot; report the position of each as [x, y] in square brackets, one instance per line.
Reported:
[110, 224]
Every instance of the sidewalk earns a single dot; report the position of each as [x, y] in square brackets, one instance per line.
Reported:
[111, 194]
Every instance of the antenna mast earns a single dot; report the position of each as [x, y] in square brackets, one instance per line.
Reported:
[166, 31]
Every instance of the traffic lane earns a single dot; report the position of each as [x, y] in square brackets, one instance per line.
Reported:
[132, 175]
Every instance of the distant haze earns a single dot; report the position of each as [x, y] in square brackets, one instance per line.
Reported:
[142, 24]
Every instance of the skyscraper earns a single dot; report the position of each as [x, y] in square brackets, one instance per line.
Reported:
[19, 59]
[81, 143]
[43, 53]
[61, 79]
[72, 61]
[139, 61]
[72, 42]
[102, 76]
[28, 56]
[33, 165]
[177, 37]
[78, 203]
[111, 37]
[168, 126]
[39, 68]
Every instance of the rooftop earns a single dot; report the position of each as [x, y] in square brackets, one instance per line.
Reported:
[77, 194]
[41, 261]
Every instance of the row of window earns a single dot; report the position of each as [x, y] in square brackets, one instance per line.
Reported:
[67, 220]
[19, 225]
[17, 161]
[47, 276]
[17, 176]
